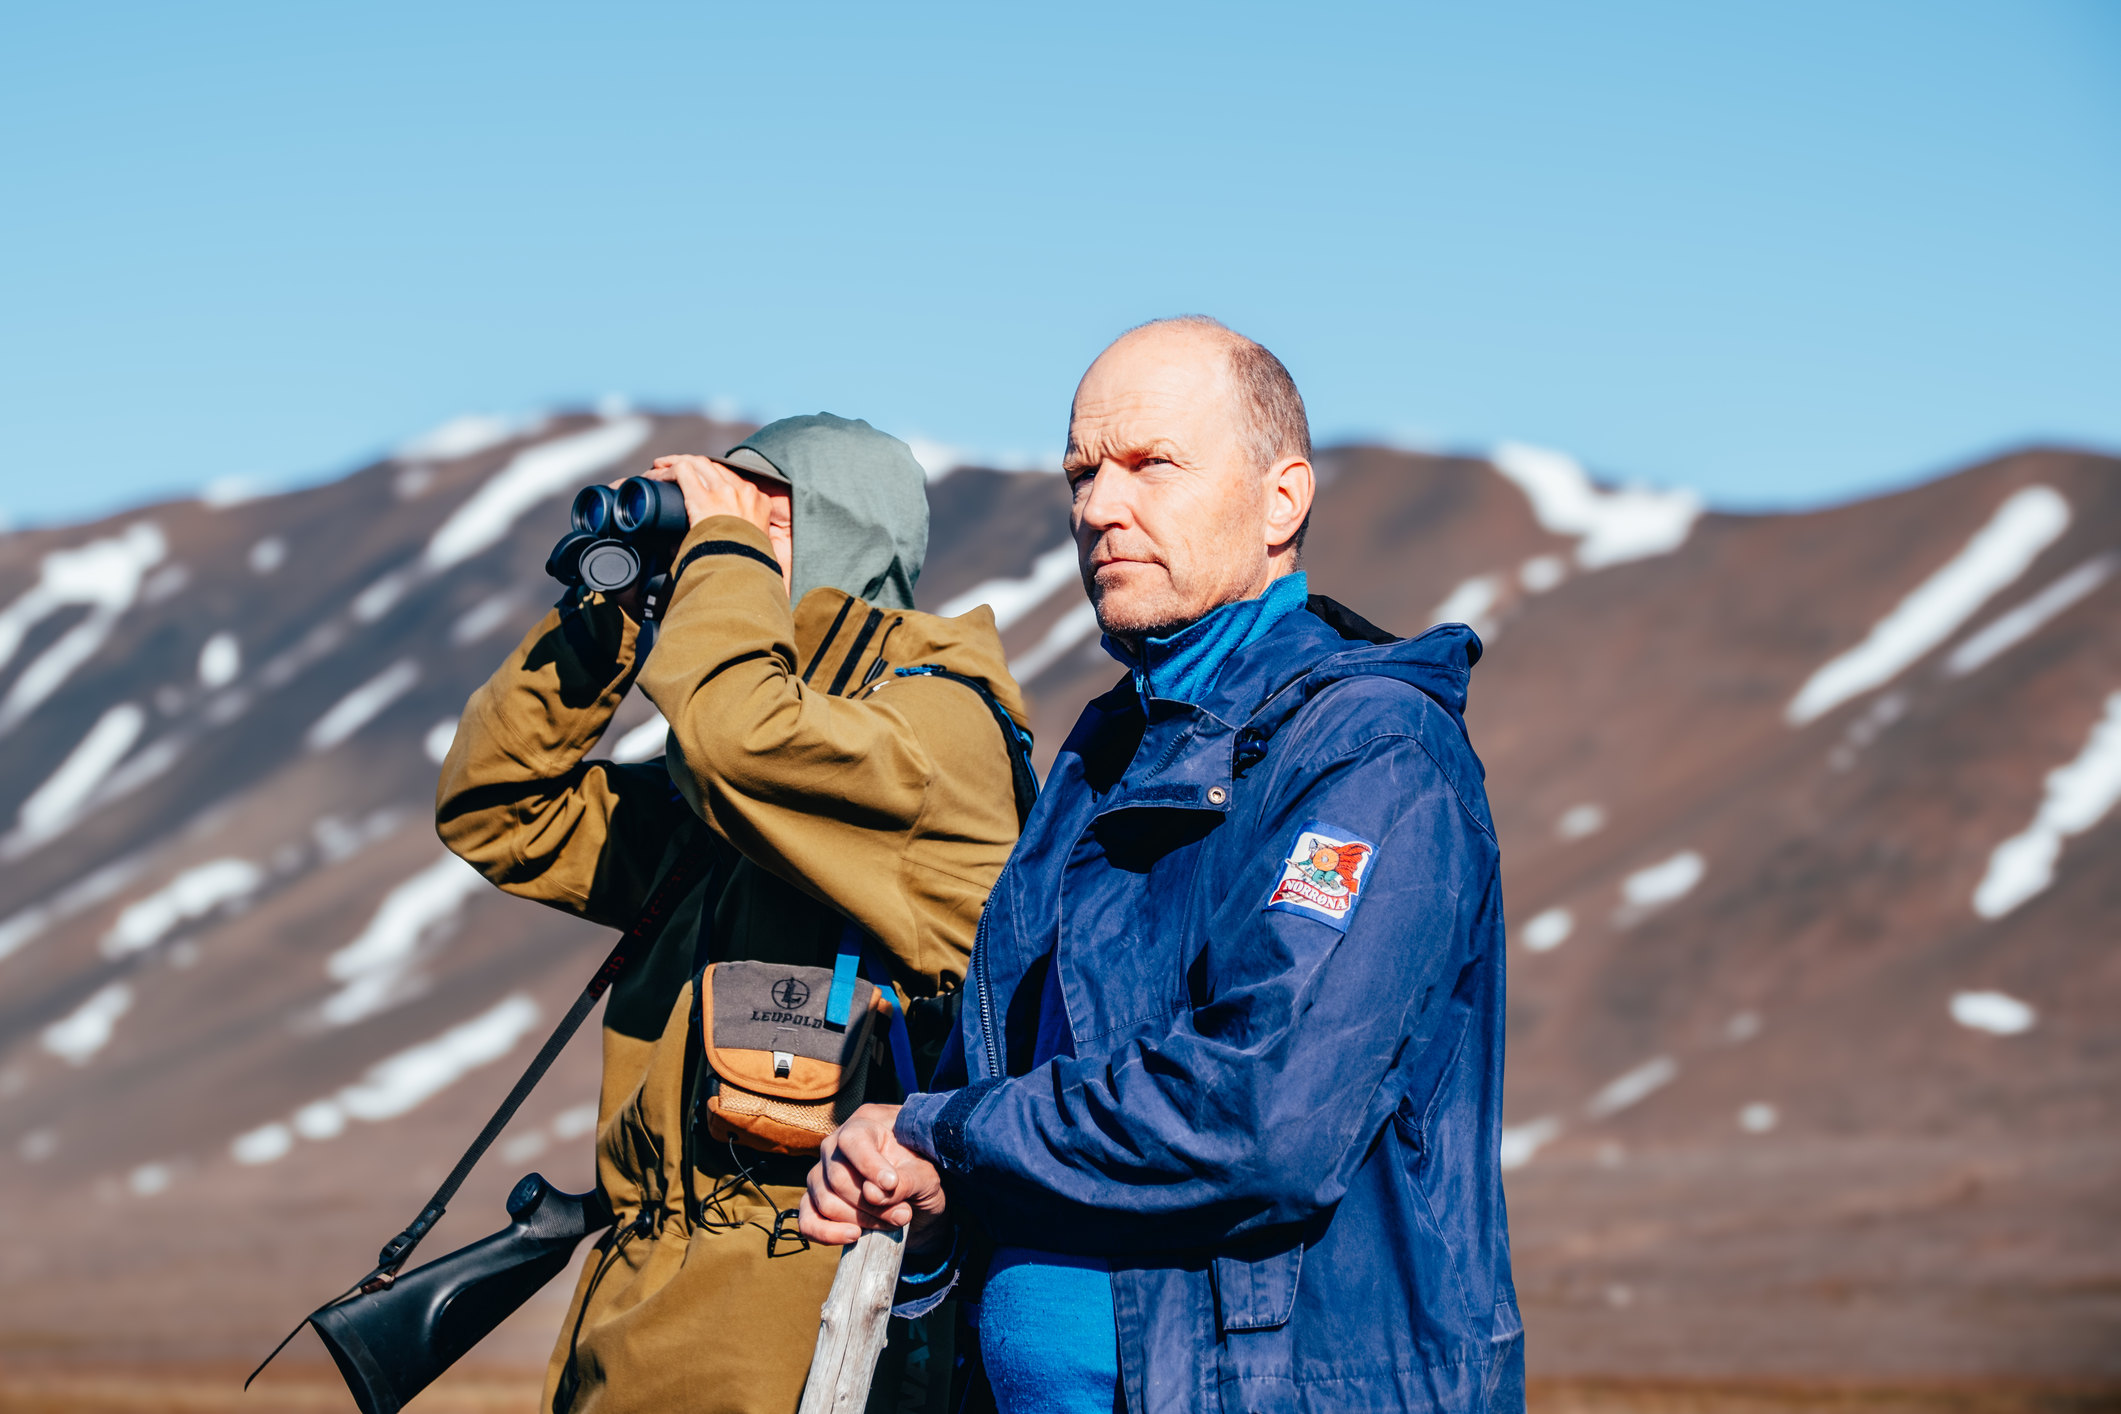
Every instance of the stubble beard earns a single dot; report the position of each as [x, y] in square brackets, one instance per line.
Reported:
[1137, 613]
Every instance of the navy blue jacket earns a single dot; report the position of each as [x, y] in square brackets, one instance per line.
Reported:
[1278, 922]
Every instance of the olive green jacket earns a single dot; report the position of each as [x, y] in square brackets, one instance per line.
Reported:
[824, 788]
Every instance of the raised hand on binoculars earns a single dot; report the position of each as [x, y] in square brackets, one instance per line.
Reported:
[712, 489]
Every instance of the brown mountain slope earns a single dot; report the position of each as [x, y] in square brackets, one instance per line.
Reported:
[249, 1011]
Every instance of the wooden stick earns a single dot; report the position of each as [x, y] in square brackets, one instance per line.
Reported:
[850, 1333]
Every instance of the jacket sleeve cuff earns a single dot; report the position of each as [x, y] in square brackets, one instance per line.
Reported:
[933, 1126]
[724, 535]
[920, 1292]
[913, 1307]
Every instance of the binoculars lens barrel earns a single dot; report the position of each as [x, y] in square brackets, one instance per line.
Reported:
[651, 507]
[618, 536]
[593, 510]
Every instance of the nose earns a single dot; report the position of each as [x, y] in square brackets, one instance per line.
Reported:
[1104, 506]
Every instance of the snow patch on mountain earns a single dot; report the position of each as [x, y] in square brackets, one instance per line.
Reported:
[574, 1122]
[104, 576]
[398, 1084]
[2029, 521]
[1067, 634]
[531, 476]
[220, 659]
[2021, 622]
[338, 840]
[53, 807]
[27, 924]
[146, 1180]
[939, 459]
[1013, 597]
[440, 737]
[381, 596]
[644, 743]
[76, 1037]
[1653, 887]
[2078, 796]
[268, 555]
[1542, 573]
[1521, 1141]
[362, 705]
[199, 891]
[462, 436]
[1633, 1087]
[1471, 603]
[1998, 1013]
[484, 617]
[1548, 930]
[319, 643]
[376, 970]
[1611, 526]
[233, 490]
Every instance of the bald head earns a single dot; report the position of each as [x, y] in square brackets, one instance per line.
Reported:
[1189, 458]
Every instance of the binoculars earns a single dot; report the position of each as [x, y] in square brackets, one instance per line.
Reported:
[619, 537]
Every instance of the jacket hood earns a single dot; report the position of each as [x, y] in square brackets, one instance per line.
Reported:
[1439, 662]
[1327, 643]
[860, 505]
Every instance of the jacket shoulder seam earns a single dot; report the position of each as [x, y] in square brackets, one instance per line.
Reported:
[1441, 769]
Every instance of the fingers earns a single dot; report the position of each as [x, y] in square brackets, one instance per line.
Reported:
[865, 1177]
[839, 1176]
[819, 1228]
[862, 1145]
[837, 1200]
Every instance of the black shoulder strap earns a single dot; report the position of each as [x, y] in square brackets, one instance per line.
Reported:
[690, 867]
[1015, 739]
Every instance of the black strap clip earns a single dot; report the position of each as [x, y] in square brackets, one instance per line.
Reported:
[785, 1229]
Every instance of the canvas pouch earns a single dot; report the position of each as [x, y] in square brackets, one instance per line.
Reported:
[786, 1051]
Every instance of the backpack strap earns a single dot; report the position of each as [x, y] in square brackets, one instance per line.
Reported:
[1022, 779]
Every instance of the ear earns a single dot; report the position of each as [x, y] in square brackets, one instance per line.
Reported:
[1291, 485]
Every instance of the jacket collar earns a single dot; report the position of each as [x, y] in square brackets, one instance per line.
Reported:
[1183, 667]
[1305, 652]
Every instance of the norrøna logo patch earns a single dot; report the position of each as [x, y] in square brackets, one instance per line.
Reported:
[1322, 876]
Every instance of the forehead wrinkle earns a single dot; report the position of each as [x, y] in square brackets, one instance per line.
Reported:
[1105, 441]
[1131, 423]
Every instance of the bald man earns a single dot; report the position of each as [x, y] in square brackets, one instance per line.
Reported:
[1228, 1108]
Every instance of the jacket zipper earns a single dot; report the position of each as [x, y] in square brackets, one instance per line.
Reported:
[988, 1039]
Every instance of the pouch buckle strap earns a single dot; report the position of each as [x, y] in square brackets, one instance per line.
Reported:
[840, 1000]
[857, 947]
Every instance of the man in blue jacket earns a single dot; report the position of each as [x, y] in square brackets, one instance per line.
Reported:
[1229, 1092]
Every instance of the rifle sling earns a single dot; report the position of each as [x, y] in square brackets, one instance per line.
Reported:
[689, 868]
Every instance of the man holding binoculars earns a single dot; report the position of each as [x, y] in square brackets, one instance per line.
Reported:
[842, 784]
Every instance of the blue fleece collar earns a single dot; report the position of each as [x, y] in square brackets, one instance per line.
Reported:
[1183, 667]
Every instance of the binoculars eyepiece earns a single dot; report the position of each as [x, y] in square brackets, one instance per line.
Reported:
[619, 536]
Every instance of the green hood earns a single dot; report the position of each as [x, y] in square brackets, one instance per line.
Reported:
[860, 505]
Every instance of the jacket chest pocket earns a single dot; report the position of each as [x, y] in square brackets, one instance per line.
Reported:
[1257, 1293]
[1127, 906]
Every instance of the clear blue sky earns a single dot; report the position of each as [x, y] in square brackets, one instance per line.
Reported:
[1782, 252]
